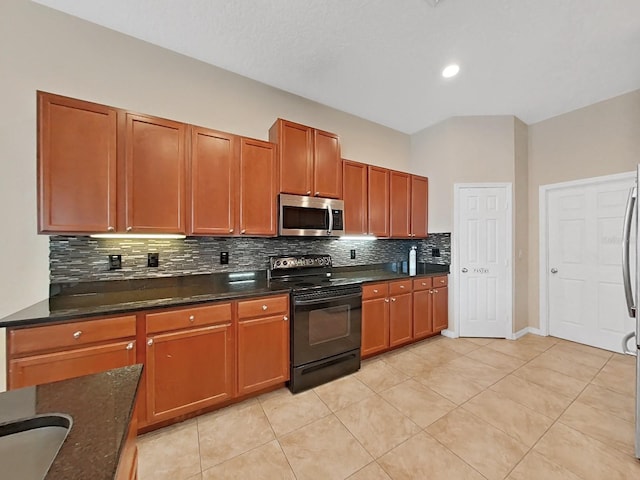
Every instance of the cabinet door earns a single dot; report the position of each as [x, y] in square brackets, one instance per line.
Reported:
[76, 166]
[213, 183]
[400, 204]
[419, 206]
[258, 187]
[327, 169]
[375, 326]
[378, 195]
[422, 314]
[440, 308]
[354, 181]
[295, 143]
[400, 320]
[52, 367]
[154, 175]
[263, 353]
[188, 370]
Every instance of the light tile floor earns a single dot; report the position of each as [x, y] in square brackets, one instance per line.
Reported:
[535, 408]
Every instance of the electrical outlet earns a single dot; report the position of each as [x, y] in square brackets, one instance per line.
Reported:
[224, 258]
[353, 254]
[115, 262]
[435, 252]
[153, 259]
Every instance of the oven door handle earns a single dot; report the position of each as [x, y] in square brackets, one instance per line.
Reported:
[326, 299]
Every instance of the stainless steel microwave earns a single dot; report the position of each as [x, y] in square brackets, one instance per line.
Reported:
[310, 216]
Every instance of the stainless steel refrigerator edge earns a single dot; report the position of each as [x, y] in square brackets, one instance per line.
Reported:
[632, 292]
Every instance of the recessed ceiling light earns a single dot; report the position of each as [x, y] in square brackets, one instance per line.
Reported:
[450, 70]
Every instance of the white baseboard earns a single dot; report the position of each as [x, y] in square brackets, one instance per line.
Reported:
[449, 333]
[524, 331]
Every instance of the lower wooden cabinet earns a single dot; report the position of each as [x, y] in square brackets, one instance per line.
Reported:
[263, 352]
[375, 326]
[422, 308]
[189, 361]
[400, 313]
[50, 353]
[440, 308]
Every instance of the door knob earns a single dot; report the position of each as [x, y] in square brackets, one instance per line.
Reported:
[464, 270]
[554, 270]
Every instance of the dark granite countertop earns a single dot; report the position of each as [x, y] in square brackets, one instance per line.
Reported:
[101, 407]
[92, 299]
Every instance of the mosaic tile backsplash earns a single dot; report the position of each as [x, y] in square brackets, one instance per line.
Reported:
[85, 259]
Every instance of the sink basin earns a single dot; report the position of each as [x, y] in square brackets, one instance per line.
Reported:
[29, 446]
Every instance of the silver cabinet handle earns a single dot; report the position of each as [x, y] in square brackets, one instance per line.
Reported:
[554, 270]
[625, 347]
[393, 299]
[464, 270]
[264, 307]
[243, 231]
[430, 291]
[435, 291]
[375, 290]
[285, 318]
[386, 300]
[150, 342]
[401, 286]
[308, 192]
[130, 346]
[317, 194]
[231, 230]
[129, 229]
[77, 334]
[110, 228]
[423, 284]
[442, 281]
[192, 318]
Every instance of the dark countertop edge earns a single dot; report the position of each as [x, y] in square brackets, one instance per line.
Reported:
[360, 274]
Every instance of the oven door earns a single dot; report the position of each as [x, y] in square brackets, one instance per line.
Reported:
[325, 326]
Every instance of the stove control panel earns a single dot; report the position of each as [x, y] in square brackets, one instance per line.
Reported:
[302, 261]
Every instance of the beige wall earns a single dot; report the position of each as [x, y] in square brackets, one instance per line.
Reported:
[601, 139]
[521, 227]
[46, 50]
[461, 150]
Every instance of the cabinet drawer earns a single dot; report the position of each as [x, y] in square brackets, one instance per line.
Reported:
[374, 290]
[188, 317]
[263, 306]
[399, 287]
[442, 281]
[422, 283]
[72, 334]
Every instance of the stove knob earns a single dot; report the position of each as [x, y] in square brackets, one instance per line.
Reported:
[284, 263]
[277, 263]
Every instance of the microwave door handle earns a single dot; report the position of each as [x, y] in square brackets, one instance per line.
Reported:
[626, 269]
[330, 219]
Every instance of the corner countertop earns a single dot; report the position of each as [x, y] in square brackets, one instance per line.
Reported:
[84, 300]
[101, 407]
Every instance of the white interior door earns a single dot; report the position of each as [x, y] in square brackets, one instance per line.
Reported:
[484, 252]
[584, 262]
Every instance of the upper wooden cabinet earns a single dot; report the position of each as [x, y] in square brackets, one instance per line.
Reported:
[419, 206]
[378, 186]
[154, 175]
[354, 178]
[258, 187]
[213, 182]
[76, 165]
[399, 204]
[309, 160]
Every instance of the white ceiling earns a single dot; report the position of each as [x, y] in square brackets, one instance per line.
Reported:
[381, 59]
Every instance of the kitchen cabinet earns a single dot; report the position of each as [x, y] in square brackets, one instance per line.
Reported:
[375, 318]
[354, 178]
[378, 201]
[77, 157]
[154, 167]
[263, 343]
[309, 158]
[213, 182]
[419, 206]
[400, 313]
[440, 304]
[190, 360]
[422, 308]
[399, 204]
[258, 188]
[58, 352]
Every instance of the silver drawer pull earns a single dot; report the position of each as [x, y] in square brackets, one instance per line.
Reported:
[424, 284]
[150, 342]
[130, 346]
[264, 307]
[285, 318]
[375, 290]
[441, 281]
[192, 318]
[435, 291]
[393, 299]
[77, 334]
[401, 286]
[386, 300]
